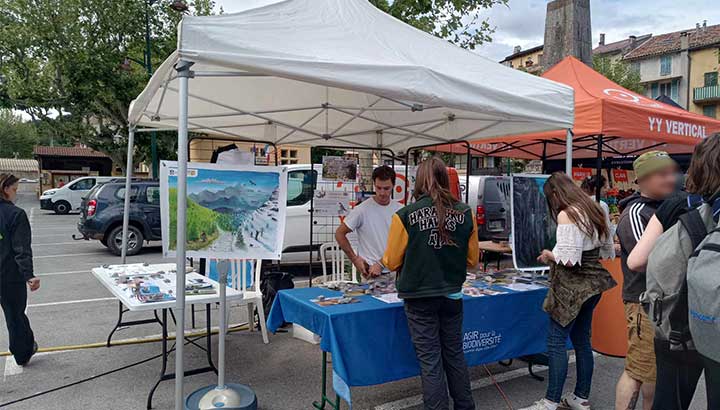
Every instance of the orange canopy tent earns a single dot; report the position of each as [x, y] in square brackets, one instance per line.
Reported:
[609, 120]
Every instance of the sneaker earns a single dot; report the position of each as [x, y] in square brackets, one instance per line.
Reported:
[35, 349]
[574, 402]
[543, 404]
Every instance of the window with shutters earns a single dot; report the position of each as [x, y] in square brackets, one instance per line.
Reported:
[665, 65]
[710, 111]
[711, 79]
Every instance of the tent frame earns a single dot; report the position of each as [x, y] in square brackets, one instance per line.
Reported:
[185, 124]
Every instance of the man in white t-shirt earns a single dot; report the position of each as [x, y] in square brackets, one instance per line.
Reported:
[371, 222]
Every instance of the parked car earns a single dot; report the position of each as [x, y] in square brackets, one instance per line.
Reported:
[69, 197]
[489, 196]
[101, 216]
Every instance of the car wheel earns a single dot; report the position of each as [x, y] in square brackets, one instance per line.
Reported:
[135, 240]
[61, 207]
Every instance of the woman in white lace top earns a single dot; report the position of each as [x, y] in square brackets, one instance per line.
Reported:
[577, 280]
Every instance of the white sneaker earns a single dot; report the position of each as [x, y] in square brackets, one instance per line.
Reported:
[574, 402]
[543, 404]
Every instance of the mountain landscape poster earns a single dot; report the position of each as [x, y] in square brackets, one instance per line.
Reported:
[233, 212]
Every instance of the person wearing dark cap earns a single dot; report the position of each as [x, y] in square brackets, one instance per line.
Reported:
[16, 271]
[656, 175]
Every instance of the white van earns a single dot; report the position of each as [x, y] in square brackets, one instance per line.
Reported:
[69, 197]
[489, 198]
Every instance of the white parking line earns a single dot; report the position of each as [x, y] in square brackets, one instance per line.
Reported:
[70, 272]
[69, 255]
[11, 368]
[55, 243]
[70, 302]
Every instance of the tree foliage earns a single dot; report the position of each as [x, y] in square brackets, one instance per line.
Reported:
[619, 72]
[74, 66]
[18, 138]
[69, 65]
[459, 21]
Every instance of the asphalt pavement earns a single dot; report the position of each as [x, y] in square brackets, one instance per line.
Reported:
[72, 310]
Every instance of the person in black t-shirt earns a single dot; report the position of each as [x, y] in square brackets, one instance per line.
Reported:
[678, 372]
[656, 175]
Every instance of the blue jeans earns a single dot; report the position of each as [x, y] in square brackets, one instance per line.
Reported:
[579, 332]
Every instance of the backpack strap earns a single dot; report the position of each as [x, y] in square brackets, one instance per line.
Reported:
[679, 321]
[693, 223]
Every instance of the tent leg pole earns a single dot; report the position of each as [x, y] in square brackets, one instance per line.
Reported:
[184, 74]
[598, 188]
[126, 208]
[568, 152]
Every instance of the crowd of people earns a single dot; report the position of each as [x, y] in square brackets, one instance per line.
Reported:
[430, 243]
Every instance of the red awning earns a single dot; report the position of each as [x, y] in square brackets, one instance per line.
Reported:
[629, 122]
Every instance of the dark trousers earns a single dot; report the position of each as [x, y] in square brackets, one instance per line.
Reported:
[579, 332]
[436, 331]
[13, 299]
[678, 373]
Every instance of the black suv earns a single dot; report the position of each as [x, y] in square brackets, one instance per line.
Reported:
[101, 215]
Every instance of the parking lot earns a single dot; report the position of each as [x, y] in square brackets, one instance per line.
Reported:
[72, 313]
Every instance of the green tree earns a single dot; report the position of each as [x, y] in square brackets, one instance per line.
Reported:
[68, 64]
[18, 137]
[619, 72]
[459, 21]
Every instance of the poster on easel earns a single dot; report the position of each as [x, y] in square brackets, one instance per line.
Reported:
[533, 228]
[233, 212]
[343, 169]
[332, 203]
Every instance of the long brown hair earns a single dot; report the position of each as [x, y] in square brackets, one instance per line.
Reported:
[6, 181]
[704, 171]
[432, 180]
[563, 195]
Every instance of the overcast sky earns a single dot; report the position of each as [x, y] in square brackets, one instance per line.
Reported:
[522, 22]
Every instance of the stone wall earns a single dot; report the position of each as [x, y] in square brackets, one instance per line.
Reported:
[567, 31]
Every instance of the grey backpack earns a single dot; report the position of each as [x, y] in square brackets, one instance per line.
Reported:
[667, 291]
[703, 284]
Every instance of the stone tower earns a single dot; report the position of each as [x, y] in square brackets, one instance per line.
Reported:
[567, 32]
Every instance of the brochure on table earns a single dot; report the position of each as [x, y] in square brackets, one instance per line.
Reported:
[125, 281]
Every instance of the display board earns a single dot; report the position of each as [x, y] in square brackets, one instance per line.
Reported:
[233, 212]
[533, 229]
[332, 203]
[339, 169]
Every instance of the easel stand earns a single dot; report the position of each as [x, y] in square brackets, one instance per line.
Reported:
[222, 395]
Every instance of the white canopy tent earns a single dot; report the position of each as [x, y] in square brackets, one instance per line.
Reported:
[331, 72]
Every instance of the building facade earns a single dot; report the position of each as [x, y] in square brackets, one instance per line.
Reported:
[530, 59]
[683, 66]
[201, 150]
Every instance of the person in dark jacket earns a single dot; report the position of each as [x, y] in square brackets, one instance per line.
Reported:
[431, 244]
[16, 271]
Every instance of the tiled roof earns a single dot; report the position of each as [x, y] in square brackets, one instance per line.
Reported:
[670, 42]
[620, 45]
[18, 165]
[68, 152]
[523, 53]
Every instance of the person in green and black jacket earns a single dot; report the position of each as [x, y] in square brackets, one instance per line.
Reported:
[16, 271]
[431, 243]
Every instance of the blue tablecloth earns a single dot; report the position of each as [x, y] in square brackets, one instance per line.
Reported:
[370, 343]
